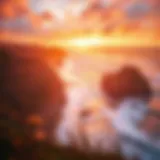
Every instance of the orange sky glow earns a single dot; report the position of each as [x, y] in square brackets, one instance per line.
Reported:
[80, 24]
[81, 41]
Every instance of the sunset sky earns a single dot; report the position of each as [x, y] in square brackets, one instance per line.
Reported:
[48, 16]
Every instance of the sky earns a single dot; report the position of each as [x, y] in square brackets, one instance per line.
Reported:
[41, 16]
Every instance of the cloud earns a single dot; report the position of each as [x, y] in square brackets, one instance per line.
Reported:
[137, 10]
[41, 21]
[16, 15]
[40, 15]
[35, 20]
[47, 16]
[10, 9]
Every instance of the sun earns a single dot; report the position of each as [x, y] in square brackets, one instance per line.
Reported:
[85, 42]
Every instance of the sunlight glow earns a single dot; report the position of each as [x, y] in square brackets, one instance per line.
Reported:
[85, 42]
[80, 42]
[100, 41]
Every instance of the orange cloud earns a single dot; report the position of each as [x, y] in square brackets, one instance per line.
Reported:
[38, 20]
[12, 8]
[47, 16]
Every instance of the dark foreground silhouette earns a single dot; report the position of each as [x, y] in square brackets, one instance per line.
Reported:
[32, 98]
